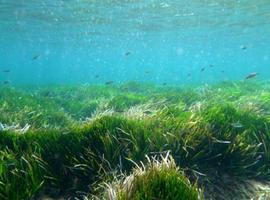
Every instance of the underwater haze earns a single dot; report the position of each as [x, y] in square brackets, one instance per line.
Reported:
[153, 41]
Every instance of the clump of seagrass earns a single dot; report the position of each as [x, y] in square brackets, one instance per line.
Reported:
[158, 179]
[141, 111]
[99, 113]
[14, 127]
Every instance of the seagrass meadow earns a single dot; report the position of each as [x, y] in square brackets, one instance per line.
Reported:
[135, 142]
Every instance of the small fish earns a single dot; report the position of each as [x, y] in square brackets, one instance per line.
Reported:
[202, 69]
[237, 125]
[189, 74]
[164, 83]
[6, 71]
[147, 112]
[36, 57]
[6, 82]
[97, 76]
[211, 65]
[243, 47]
[222, 71]
[109, 83]
[127, 53]
[147, 72]
[251, 75]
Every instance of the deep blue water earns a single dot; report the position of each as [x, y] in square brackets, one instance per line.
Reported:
[176, 41]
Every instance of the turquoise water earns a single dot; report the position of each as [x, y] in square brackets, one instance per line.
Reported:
[174, 42]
